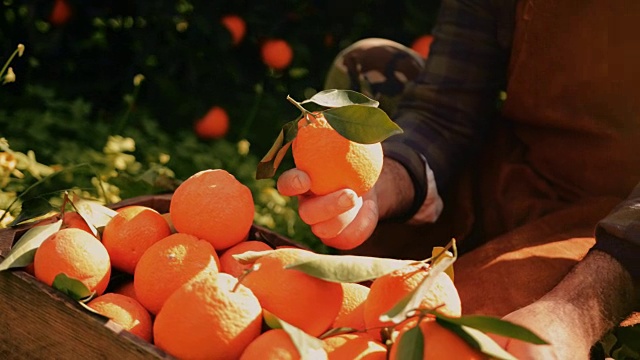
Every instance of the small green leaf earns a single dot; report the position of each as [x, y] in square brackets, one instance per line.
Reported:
[347, 268]
[94, 213]
[489, 324]
[362, 124]
[32, 209]
[309, 347]
[478, 340]
[269, 164]
[335, 98]
[438, 253]
[249, 257]
[412, 300]
[24, 249]
[411, 344]
[338, 331]
[70, 286]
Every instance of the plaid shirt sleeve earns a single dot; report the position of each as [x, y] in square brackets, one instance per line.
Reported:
[618, 234]
[444, 112]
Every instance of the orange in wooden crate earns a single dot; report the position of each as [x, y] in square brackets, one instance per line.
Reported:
[42, 322]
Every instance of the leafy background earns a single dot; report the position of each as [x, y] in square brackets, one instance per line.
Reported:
[75, 121]
[75, 112]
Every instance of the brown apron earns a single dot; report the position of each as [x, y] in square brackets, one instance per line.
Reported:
[568, 153]
[565, 152]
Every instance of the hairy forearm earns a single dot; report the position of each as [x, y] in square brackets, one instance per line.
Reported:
[394, 190]
[595, 296]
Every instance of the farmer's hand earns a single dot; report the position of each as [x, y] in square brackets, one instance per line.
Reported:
[340, 219]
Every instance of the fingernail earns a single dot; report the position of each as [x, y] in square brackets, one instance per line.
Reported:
[297, 183]
[346, 200]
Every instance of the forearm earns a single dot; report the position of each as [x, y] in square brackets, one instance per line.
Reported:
[394, 190]
[594, 297]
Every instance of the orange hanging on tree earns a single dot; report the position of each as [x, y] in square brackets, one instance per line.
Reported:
[277, 54]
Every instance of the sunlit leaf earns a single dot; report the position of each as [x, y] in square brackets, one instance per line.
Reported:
[412, 300]
[347, 268]
[411, 344]
[70, 286]
[338, 331]
[335, 98]
[31, 209]
[24, 249]
[269, 164]
[478, 340]
[309, 347]
[494, 325]
[438, 253]
[362, 124]
[249, 257]
[93, 212]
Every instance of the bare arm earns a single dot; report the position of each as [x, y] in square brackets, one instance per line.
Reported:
[593, 298]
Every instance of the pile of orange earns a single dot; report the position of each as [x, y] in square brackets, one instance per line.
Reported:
[185, 290]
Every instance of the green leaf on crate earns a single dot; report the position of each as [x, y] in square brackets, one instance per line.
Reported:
[32, 209]
[490, 324]
[309, 347]
[411, 344]
[93, 212]
[347, 268]
[24, 249]
[70, 286]
[478, 340]
[269, 164]
[338, 331]
[335, 98]
[249, 257]
[412, 300]
[362, 124]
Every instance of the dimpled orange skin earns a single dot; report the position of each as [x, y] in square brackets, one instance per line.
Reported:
[334, 162]
[130, 233]
[213, 205]
[354, 346]
[77, 254]
[210, 317]
[351, 314]
[302, 300]
[232, 266]
[388, 289]
[169, 264]
[439, 343]
[274, 344]
[125, 311]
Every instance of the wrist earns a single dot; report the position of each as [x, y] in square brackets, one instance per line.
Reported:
[394, 190]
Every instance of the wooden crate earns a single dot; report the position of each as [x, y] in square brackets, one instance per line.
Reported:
[39, 322]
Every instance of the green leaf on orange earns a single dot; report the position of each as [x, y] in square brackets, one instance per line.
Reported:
[269, 164]
[412, 300]
[361, 124]
[309, 347]
[74, 288]
[337, 331]
[94, 213]
[478, 340]
[31, 209]
[24, 250]
[249, 257]
[411, 344]
[347, 268]
[332, 98]
[494, 325]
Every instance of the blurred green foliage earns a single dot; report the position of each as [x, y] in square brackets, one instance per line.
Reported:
[75, 120]
[187, 56]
